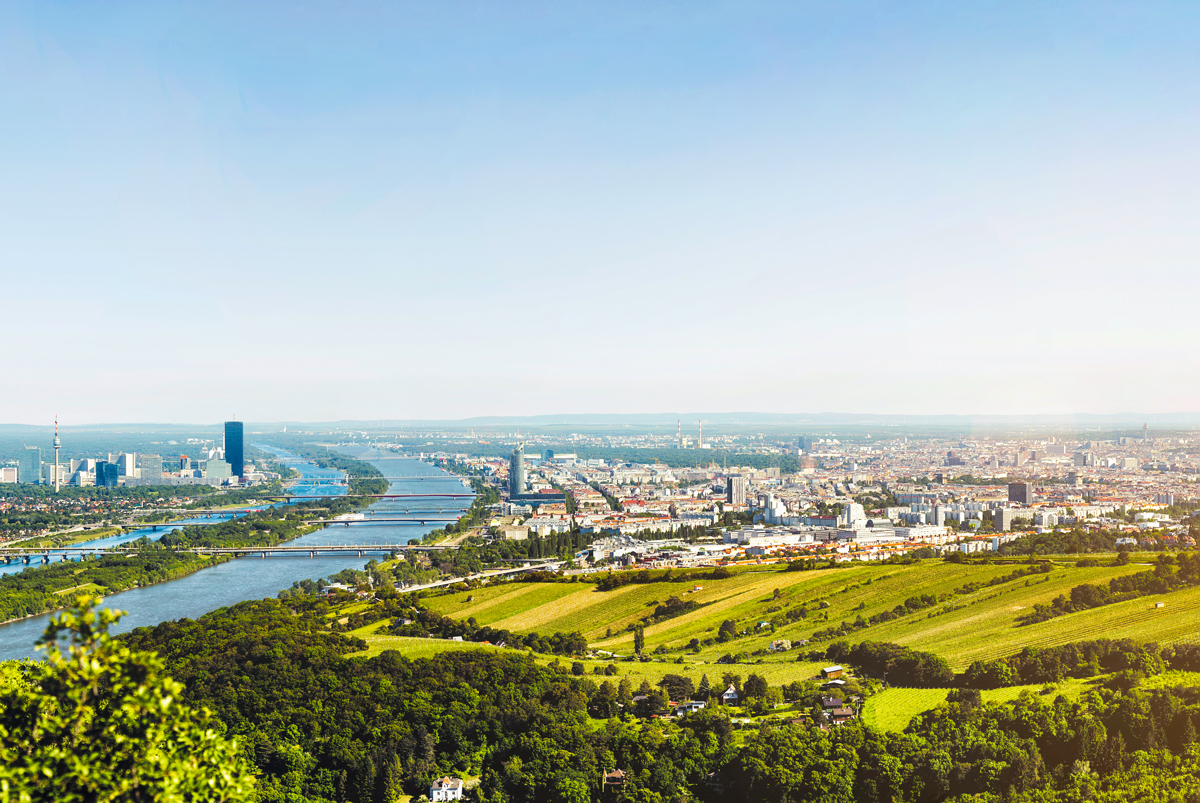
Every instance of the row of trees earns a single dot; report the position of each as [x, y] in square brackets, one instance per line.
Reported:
[900, 665]
[42, 588]
[425, 624]
[191, 710]
[1170, 573]
[364, 477]
[268, 527]
[320, 724]
[1084, 659]
[915, 604]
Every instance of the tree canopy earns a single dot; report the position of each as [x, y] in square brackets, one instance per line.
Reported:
[98, 721]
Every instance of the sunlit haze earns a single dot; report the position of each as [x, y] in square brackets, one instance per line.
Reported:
[323, 211]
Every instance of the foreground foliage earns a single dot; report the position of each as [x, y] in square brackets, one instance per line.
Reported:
[98, 721]
[320, 723]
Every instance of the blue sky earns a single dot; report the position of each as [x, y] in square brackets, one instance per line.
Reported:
[311, 211]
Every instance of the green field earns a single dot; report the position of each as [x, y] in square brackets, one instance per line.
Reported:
[414, 648]
[652, 671]
[71, 538]
[976, 626]
[892, 709]
[963, 628]
[86, 588]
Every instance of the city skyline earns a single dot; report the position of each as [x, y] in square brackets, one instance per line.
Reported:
[337, 213]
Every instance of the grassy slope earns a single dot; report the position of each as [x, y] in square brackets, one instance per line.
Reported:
[892, 709]
[986, 627]
[71, 538]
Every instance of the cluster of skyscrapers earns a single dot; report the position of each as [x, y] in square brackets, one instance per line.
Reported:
[222, 463]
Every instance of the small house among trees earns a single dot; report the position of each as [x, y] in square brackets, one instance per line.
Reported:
[446, 789]
[614, 780]
[831, 672]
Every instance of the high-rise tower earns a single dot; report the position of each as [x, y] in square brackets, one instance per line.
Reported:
[235, 452]
[516, 472]
[57, 444]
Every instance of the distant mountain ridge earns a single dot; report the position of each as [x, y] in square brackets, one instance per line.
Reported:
[688, 421]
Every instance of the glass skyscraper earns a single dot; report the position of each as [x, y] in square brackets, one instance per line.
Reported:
[106, 474]
[235, 450]
[31, 465]
[516, 472]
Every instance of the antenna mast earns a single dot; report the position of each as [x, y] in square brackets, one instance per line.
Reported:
[56, 445]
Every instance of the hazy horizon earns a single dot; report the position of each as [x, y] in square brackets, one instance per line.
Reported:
[688, 421]
[442, 211]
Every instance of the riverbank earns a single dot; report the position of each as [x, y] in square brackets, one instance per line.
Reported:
[40, 589]
[32, 593]
[254, 577]
[57, 540]
[364, 478]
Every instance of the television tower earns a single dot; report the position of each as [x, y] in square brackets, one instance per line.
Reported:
[57, 444]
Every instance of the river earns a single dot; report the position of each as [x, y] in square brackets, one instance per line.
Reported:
[256, 577]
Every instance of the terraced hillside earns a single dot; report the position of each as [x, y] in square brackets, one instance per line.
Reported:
[963, 627]
[988, 630]
[971, 621]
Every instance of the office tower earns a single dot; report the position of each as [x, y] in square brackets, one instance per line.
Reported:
[126, 464]
[235, 454]
[853, 515]
[50, 473]
[218, 469]
[1021, 493]
[735, 490]
[31, 465]
[106, 474]
[516, 472]
[150, 467]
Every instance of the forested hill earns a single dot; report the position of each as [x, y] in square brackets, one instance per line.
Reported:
[321, 723]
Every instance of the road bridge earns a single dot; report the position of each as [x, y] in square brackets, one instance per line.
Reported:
[383, 520]
[313, 550]
[342, 481]
[290, 497]
[61, 554]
